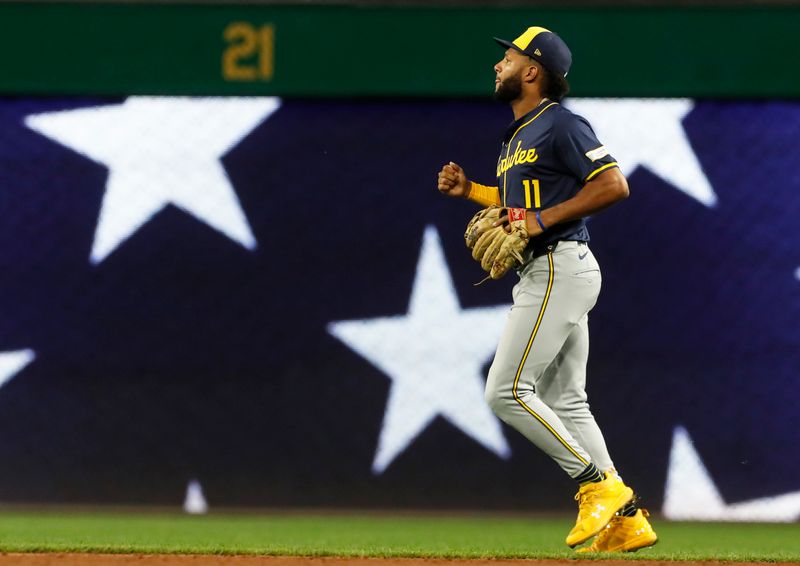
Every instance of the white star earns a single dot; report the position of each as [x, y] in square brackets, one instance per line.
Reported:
[649, 132]
[11, 363]
[434, 356]
[161, 151]
[691, 494]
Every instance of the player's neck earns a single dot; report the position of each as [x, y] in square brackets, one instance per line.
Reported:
[523, 105]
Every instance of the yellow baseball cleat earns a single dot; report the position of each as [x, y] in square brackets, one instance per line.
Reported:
[597, 504]
[624, 534]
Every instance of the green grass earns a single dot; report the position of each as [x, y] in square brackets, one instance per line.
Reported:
[349, 535]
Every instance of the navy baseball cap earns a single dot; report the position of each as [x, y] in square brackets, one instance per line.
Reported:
[544, 46]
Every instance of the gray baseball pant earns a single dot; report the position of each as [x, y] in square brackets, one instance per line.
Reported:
[537, 380]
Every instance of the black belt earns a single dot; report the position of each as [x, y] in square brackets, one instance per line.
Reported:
[542, 250]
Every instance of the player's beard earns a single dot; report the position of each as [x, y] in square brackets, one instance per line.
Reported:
[509, 90]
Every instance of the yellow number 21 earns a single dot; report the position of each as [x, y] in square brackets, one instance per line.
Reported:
[537, 199]
[250, 53]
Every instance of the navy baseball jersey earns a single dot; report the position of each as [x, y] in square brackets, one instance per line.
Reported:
[546, 158]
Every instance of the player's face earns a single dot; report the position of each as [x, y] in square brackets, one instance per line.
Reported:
[508, 76]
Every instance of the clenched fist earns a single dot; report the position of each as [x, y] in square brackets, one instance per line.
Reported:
[453, 182]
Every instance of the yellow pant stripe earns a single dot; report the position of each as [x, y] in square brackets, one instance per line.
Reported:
[551, 277]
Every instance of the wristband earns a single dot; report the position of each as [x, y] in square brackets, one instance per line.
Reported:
[515, 214]
[483, 195]
[538, 216]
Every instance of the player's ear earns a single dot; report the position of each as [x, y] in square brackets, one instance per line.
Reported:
[531, 73]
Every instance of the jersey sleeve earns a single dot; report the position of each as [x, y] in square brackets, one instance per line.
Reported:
[483, 195]
[579, 149]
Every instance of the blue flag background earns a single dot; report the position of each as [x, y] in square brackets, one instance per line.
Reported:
[186, 353]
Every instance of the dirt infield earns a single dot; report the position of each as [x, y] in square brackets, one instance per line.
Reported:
[75, 559]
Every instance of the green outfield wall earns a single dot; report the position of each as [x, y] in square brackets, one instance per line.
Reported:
[389, 51]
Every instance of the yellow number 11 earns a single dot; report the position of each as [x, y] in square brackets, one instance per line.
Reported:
[537, 199]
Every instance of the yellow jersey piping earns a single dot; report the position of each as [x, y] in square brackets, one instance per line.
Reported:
[600, 169]
[508, 148]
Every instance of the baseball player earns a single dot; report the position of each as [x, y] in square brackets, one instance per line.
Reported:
[552, 173]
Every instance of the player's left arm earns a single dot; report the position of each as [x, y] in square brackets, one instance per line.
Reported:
[580, 152]
[605, 189]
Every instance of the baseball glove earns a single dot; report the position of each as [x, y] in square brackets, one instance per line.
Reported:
[481, 223]
[497, 248]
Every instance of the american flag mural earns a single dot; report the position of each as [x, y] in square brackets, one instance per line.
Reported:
[270, 299]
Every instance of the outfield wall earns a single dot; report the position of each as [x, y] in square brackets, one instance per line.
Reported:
[388, 51]
[269, 296]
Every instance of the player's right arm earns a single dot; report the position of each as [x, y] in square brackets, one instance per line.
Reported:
[454, 183]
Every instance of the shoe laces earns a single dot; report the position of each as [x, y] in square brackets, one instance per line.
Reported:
[584, 498]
